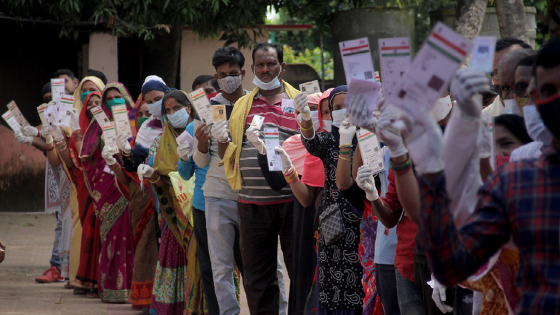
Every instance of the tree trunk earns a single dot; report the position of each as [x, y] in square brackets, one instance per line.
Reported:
[161, 56]
[470, 14]
[511, 18]
[553, 17]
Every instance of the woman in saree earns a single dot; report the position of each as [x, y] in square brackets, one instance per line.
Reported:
[116, 259]
[177, 284]
[143, 221]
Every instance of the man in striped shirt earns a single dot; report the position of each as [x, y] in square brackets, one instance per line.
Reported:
[264, 213]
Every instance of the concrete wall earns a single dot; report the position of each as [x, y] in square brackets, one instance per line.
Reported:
[490, 26]
[196, 59]
[103, 55]
[373, 23]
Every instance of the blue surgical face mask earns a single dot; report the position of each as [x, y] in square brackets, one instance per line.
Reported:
[274, 84]
[155, 108]
[179, 119]
[338, 117]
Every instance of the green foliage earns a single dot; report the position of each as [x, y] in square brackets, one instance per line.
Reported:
[148, 18]
[312, 58]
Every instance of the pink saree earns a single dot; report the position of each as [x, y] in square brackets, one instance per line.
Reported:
[116, 260]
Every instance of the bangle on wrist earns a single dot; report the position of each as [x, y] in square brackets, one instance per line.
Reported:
[401, 168]
[345, 152]
[50, 148]
[115, 167]
[343, 158]
[61, 145]
[307, 129]
[291, 177]
[124, 153]
[155, 178]
[348, 145]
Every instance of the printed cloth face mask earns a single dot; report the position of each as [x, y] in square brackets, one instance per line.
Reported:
[230, 84]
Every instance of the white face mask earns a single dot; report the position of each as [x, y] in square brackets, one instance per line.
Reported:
[535, 126]
[274, 84]
[338, 117]
[230, 84]
[327, 125]
[511, 107]
[155, 108]
[314, 119]
[179, 119]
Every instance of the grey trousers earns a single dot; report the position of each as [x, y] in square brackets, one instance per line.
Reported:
[55, 259]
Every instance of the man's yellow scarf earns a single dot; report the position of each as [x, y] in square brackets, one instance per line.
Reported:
[237, 129]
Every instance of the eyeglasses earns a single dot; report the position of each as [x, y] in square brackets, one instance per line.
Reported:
[520, 89]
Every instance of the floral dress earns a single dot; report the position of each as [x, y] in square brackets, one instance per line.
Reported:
[339, 268]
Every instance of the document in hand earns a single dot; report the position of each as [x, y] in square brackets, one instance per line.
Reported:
[271, 141]
[257, 122]
[51, 114]
[11, 120]
[370, 150]
[120, 117]
[57, 89]
[310, 87]
[356, 58]
[369, 89]
[65, 110]
[186, 137]
[12, 107]
[110, 134]
[99, 115]
[431, 71]
[288, 106]
[219, 112]
[202, 105]
[41, 110]
[394, 55]
[482, 54]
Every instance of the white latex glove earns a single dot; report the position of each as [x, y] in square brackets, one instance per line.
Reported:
[388, 134]
[347, 132]
[29, 131]
[184, 151]
[485, 141]
[46, 134]
[57, 133]
[253, 137]
[108, 153]
[286, 161]
[23, 139]
[366, 182]
[75, 120]
[145, 170]
[424, 141]
[465, 87]
[220, 131]
[438, 295]
[122, 143]
[358, 112]
[301, 105]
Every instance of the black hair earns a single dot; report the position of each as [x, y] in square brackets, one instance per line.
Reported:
[67, 72]
[507, 42]
[98, 74]
[516, 125]
[267, 46]
[231, 55]
[205, 78]
[528, 61]
[46, 89]
[179, 97]
[548, 55]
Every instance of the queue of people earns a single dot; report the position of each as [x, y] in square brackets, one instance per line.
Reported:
[462, 220]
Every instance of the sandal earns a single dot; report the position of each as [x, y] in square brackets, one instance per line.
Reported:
[92, 294]
[68, 286]
[80, 291]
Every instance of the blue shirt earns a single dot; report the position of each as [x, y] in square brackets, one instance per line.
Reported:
[188, 168]
[386, 241]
